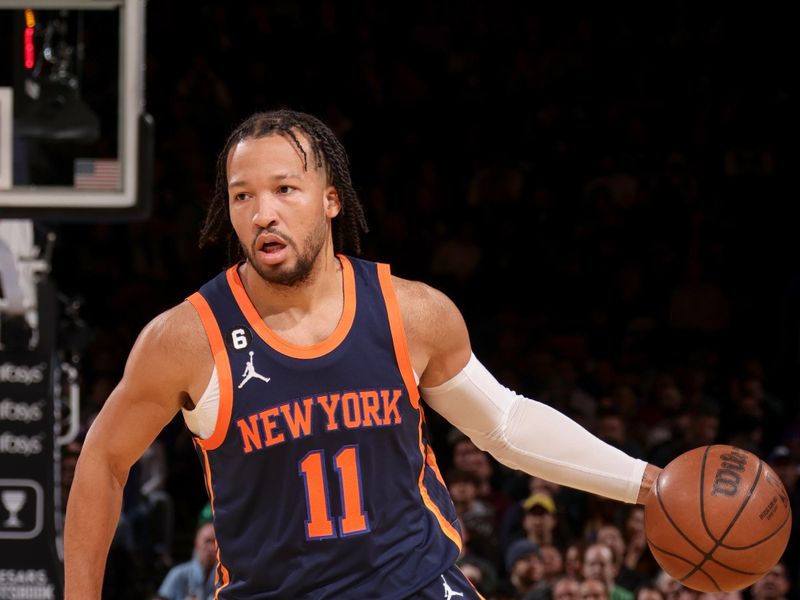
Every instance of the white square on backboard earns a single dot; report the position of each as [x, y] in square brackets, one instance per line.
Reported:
[6, 134]
[33, 494]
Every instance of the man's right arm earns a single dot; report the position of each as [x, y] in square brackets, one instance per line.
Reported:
[164, 370]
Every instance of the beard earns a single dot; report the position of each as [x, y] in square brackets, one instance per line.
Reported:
[282, 274]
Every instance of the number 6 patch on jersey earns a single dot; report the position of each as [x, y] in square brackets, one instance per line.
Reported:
[238, 338]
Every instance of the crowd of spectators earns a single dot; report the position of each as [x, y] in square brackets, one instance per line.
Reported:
[602, 193]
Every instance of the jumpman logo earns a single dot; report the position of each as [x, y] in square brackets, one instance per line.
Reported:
[450, 592]
[250, 373]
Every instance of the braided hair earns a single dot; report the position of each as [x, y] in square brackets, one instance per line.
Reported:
[326, 151]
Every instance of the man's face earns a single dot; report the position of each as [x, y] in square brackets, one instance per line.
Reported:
[573, 562]
[280, 211]
[634, 526]
[706, 429]
[463, 491]
[465, 456]
[529, 570]
[539, 522]
[566, 589]
[598, 563]
[612, 537]
[773, 585]
[593, 589]
[552, 560]
[674, 590]
[205, 545]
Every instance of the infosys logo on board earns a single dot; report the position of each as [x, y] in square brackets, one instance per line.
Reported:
[22, 412]
[20, 444]
[11, 373]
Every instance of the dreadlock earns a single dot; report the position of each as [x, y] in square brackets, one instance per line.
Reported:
[326, 151]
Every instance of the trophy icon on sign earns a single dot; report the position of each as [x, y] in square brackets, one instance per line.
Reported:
[13, 501]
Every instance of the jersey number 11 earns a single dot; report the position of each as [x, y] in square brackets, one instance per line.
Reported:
[319, 525]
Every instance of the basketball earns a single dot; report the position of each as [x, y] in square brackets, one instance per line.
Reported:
[719, 518]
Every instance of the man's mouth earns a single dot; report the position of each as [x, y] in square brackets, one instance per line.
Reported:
[272, 247]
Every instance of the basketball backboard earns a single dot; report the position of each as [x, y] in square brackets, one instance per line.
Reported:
[75, 140]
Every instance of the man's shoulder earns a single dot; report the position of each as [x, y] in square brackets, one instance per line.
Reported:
[179, 326]
[417, 298]
[435, 329]
[415, 294]
[174, 345]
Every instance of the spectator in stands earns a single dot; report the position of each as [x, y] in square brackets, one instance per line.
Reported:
[638, 557]
[672, 589]
[784, 461]
[648, 592]
[540, 521]
[553, 561]
[773, 586]
[566, 588]
[612, 428]
[153, 515]
[468, 457]
[611, 536]
[480, 572]
[194, 579]
[573, 560]
[511, 524]
[475, 515]
[524, 567]
[593, 588]
[598, 563]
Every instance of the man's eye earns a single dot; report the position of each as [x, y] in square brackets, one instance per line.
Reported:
[285, 189]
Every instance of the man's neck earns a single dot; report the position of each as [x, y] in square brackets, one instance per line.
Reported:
[304, 314]
[324, 280]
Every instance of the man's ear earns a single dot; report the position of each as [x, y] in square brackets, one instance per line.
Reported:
[333, 205]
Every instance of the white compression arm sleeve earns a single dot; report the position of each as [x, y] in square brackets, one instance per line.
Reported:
[530, 436]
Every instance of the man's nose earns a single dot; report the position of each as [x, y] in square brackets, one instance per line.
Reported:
[266, 211]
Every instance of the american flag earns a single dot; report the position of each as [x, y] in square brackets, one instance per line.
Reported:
[96, 174]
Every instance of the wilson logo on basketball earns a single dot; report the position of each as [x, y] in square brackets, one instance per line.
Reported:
[779, 489]
[728, 476]
[769, 511]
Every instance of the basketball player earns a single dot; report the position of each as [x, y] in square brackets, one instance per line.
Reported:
[301, 371]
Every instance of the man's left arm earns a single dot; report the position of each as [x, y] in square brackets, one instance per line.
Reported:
[519, 432]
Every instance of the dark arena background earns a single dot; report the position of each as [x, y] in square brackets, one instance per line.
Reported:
[609, 194]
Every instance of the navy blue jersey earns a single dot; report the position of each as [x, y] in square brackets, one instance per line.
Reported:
[319, 471]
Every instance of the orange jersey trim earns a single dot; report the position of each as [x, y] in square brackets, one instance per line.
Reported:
[447, 528]
[222, 573]
[223, 371]
[398, 333]
[430, 458]
[406, 370]
[281, 345]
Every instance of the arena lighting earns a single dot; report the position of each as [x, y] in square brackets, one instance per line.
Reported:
[56, 110]
[29, 51]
